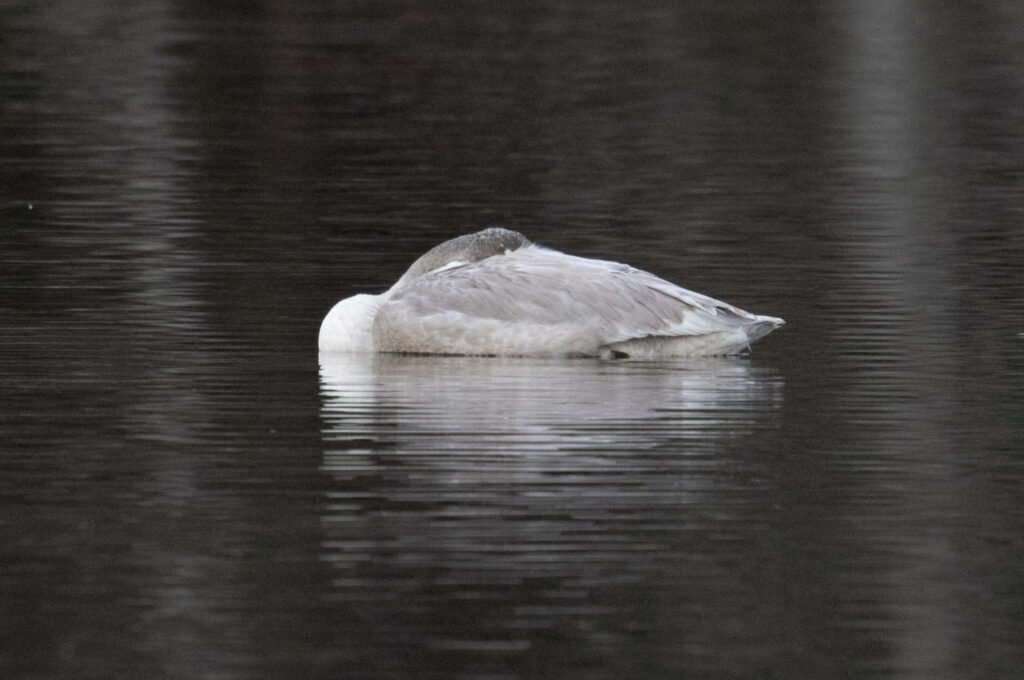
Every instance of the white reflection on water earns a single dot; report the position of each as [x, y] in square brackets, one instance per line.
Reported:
[480, 506]
[476, 404]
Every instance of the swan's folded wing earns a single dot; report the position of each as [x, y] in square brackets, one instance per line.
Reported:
[539, 301]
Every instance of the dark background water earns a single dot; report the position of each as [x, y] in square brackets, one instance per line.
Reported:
[186, 490]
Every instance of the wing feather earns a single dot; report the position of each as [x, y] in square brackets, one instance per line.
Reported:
[536, 301]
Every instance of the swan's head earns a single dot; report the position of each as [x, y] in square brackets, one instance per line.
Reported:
[348, 327]
[463, 249]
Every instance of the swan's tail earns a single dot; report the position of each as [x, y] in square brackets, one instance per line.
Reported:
[761, 327]
[715, 343]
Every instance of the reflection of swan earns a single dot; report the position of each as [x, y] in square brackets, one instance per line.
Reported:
[495, 293]
[410, 403]
[542, 499]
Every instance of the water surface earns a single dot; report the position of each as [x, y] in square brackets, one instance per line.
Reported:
[189, 490]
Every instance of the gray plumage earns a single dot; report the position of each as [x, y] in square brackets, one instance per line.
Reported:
[494, 292]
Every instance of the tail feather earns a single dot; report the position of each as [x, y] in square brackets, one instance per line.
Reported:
[762, 327]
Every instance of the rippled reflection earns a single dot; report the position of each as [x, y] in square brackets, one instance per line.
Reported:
[522, 501]
[539, 404]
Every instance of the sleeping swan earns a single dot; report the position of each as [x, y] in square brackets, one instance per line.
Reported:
[496, 293]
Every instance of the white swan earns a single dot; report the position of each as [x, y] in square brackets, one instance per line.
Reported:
[496, 293]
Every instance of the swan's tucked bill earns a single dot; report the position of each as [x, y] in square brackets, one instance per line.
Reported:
[494, 292]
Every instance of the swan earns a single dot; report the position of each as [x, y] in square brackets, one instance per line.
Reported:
[494, 292]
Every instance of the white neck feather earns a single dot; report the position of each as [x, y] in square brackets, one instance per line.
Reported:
[348, 327]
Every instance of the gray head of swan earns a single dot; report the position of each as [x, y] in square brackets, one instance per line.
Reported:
[496, 293]
[464, 249]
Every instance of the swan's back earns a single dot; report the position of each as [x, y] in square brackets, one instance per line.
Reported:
[528, 300]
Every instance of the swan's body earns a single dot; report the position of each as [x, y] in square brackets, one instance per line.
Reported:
[494, 292]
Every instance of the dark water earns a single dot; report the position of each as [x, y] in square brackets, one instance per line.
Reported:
[188, 491]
